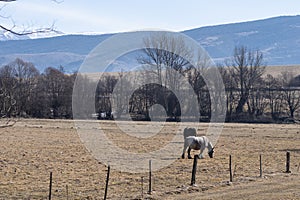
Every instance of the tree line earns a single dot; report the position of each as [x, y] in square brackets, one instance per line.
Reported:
[251, 94]
[25, 92]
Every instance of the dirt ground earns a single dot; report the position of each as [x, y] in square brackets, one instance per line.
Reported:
[31, 149]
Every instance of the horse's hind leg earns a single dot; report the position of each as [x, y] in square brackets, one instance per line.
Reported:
[189, 153]
[182, 156]
[184, 149]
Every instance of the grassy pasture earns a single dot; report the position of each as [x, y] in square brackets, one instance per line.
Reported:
[31, 149]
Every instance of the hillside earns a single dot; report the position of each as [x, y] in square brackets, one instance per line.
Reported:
[278, 38]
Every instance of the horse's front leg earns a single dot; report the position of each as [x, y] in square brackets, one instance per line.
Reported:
[189, 153]
[200, 154]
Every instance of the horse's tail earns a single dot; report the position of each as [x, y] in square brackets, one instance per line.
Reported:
[189, 132]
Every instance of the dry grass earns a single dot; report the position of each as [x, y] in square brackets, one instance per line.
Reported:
[277, 70]
[33, 148]
[273, 70]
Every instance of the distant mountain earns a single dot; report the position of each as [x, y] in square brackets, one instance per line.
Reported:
[67, 50]
[278, 38]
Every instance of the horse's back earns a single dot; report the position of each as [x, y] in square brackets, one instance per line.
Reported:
[190, 139]
[203, 140]
[194, 142]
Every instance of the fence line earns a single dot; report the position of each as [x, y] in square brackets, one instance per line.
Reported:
[288, 164]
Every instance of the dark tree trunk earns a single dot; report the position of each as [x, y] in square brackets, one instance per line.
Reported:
[241, 104]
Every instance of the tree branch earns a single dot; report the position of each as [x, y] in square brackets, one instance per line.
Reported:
[41, 30]
[21, 33]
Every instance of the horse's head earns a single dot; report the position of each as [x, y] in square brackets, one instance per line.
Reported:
[211, 153]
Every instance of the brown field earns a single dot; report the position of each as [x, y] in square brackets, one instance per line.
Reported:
[272, 70]
[31, 149]
[277, 70]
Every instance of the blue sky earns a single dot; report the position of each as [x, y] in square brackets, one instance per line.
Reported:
[107, 16]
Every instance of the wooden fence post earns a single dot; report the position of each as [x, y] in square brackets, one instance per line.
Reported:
[67, 191]
[230, 169]
[107, 179]
[288, 159]
[193, 181]
[150, 177]
[260, 167]
[50, 186]
[142, 183]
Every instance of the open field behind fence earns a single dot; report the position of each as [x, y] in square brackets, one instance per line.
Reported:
[31, 149]
[278, 70]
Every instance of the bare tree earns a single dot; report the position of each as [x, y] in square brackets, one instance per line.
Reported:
[104, 91]
[291, 95]
[274, 96]
[8, 85]
[165, 53]
[7, 96]
[256, 102]
[122, 94]
[59, 92]
[196, 79]
[25, 75]
[167, 57]
[230, 89]
[247, 69]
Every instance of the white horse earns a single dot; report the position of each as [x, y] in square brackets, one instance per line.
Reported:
[197, 143]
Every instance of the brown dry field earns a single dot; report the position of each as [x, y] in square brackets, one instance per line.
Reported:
[277, 70]
[31, 149]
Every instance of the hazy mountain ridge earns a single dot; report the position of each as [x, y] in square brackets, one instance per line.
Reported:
[278, 38]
